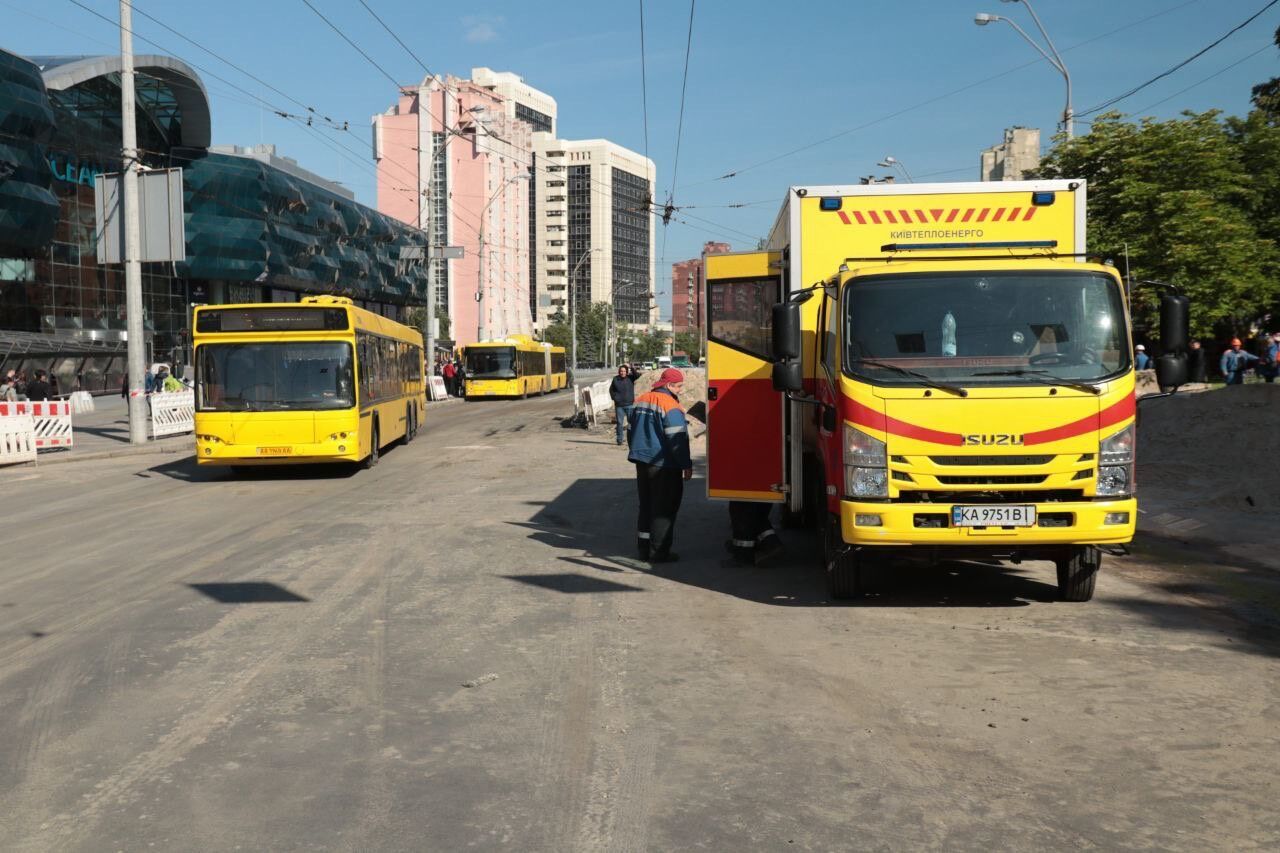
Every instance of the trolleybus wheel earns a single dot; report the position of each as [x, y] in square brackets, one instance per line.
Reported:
[372, 458]
[410, 426]
[843, 564]
[1078, 572]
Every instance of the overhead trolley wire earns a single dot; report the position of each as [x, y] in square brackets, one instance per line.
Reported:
[1193, 57]
[1203, 80]
[937, 98]
[334, 27]
[644, 84]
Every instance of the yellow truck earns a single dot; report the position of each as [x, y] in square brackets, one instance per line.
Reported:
[931, 370]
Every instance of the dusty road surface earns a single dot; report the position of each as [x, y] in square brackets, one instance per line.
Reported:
[453, 651]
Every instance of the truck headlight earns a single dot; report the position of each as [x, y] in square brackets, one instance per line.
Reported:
[866, 473]
[1115, 463]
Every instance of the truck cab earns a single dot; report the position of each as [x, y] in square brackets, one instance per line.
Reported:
[915, 397]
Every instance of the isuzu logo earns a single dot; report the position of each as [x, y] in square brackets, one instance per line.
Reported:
[995, 438]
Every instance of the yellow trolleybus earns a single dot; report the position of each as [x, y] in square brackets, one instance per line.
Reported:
[514, 367]
[315, 381]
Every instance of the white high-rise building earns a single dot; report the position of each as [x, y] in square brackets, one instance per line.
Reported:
[593, 204]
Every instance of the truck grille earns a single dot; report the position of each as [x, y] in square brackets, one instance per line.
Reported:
[993, 480]
[991, 460]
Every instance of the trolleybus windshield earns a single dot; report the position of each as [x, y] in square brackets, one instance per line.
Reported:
[491, 362]
[252, 377]
[975, 328]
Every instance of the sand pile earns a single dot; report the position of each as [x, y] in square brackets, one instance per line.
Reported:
[693, 399]
[1213, 450]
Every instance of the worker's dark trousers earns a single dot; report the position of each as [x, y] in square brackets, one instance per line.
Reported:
[660, 492]
[749, 522]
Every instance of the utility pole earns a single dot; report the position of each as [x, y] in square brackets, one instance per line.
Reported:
[132, 235]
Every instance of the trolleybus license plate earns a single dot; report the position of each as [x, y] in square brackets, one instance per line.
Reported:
[993, 516]
[275, 451]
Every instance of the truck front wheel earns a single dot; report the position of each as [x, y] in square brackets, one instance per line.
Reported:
[843, 564]
[1078, 572]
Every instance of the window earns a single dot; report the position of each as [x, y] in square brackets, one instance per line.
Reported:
[256, 377]
[740, 314]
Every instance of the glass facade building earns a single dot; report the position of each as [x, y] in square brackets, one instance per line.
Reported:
[631, 272]
[253, 232]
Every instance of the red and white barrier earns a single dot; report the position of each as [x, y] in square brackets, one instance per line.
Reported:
[52, 421]
[81, 402]
[17, 439]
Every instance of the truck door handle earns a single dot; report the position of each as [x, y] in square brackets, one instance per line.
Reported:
[713, 393]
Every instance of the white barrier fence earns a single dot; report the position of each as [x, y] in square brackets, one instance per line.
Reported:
[51, 419]
[81, 402]
[436, 389]
[172, 413]
[595, 399]
[17, 439]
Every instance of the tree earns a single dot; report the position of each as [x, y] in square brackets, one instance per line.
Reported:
[1175, 201]
[418, 319]
[1266, 96]
[690, 343]
[592, 322]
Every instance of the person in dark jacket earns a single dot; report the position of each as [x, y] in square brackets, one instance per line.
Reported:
[659, 439]
[38, 388]
[622, 390]
[1196, 368]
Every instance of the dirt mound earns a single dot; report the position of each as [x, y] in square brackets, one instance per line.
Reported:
[1213, 450]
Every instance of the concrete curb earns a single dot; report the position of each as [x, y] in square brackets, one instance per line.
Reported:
[144, 450]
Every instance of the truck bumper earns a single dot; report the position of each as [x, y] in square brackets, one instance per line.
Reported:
[929, 524]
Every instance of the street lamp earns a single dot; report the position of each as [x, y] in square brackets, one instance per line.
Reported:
[573, 313]
[523, 176]
[893, 162]
[1051, 56]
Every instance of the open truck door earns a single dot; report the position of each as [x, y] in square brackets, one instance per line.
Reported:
[746, 431]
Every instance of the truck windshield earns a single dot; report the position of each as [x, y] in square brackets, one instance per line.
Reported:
[491, 363]
[985, 328]
[254, 377]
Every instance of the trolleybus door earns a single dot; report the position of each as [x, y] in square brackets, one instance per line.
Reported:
[745, 430]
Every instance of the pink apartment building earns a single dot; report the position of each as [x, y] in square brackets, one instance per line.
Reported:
[454, 158]
[686, 290]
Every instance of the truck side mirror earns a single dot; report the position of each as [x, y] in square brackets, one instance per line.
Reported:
[787, 377]
[1175, 323]
[786, 332]
[1171, 371]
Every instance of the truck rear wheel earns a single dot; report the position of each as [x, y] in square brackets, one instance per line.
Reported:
[1078, 572]
[843, 564]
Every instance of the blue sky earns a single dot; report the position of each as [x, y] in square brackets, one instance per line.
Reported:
[765, 78]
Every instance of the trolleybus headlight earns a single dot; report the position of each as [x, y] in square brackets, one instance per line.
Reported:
[1115, 470]
[866, 473]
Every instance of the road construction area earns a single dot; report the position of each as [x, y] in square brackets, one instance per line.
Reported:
[456, 650]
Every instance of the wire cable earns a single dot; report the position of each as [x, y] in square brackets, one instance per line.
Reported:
[644, 85]
[688, 45]
[1199, 53]
[936, 98]
[332, 26]
[1218, 73]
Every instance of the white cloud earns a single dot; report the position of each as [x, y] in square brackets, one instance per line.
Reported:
[482, 28]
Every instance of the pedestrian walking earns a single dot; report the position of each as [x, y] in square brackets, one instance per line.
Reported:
[1235, 362]
[38, 388]
[1271, 359]
[659, 439]
[53, 386]
[1140, 357]
[460, 378]
[448, 372]
[20, 384]
[622, 390]
[1196, 369]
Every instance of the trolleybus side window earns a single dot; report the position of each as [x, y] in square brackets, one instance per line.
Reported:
[740, 314]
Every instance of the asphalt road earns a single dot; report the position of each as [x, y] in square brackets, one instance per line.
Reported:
[452, 650]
